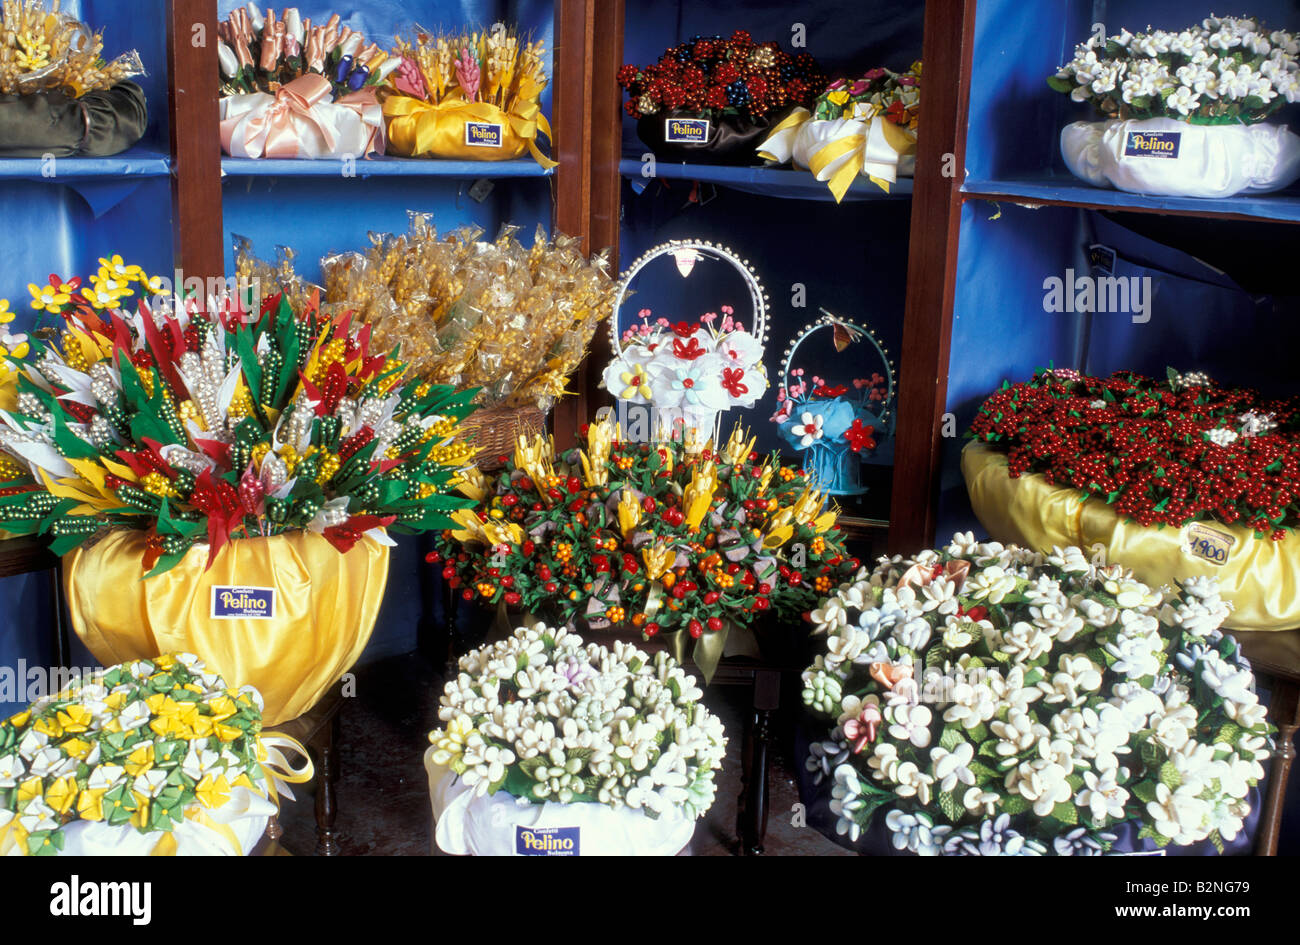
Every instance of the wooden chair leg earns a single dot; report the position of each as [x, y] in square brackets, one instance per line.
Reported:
[1285, 710]
[326, 802]
[752, 809]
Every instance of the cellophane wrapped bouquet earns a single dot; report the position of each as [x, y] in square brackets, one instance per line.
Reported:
[42, 47]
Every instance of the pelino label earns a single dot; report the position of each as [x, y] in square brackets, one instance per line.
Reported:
[1208, 544]
[686, 130]
[1160, 144]
[547, 841]
[483, 134]
[243, 603]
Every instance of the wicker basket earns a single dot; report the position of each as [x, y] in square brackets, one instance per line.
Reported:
[495, 431]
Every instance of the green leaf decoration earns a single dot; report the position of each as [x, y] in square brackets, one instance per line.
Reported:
[1066, 813]
[1013, 804]
[1145, 791]
[1169, 776]
[952, 808]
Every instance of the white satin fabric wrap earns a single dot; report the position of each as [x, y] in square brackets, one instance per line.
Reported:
[246, 814]
[487, 825]
[1212, 161]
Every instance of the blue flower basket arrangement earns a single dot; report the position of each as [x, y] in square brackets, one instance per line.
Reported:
[836, 424]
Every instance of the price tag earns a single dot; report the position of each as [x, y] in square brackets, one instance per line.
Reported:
[1209, 544]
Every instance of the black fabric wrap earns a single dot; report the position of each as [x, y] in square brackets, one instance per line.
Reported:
[98, 124]
[732, 140]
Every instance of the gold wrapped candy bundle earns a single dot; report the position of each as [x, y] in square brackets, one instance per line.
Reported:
[470, 96]
[511, 320]
[42, 47]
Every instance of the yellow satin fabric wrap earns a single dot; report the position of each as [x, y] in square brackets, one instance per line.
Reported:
[419, 129]
[1261, 577]
[325, 609]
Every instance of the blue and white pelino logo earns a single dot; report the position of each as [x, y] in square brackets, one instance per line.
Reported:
[482, 134]
[1159, 144]
[686, 130]
[547, 841]
[243, 603]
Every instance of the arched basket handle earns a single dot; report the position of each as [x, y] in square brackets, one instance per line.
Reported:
[677, 248]
[858, 332]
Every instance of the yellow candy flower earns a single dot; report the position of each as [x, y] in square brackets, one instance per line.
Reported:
[140, 760]
[48, 298]
[213, 792]
[90, 804]
[449, 744]
[6, 316]
[118, 269]
[99, 299]
[62, 794]
[635, 383]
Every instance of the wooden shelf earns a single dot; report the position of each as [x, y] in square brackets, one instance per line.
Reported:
[382, 167]
[133, 163]
[25, 555]
[1067, 191]
[785, 182]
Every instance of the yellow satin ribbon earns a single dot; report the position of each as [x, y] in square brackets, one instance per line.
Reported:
[1260, 578]
[326, 604]
[276, 767]
[842, 179]
[417, 128]
[790, 122]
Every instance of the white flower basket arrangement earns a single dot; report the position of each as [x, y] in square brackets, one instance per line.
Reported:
[150, 758]
[687, 373]
[550, 747]
[1186, 110]
[988, 700]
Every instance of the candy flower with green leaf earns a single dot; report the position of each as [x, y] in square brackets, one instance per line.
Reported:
[989, 700]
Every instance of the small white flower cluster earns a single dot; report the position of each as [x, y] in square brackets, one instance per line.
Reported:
[1226, 68]
[1081, 699]
[547, 718]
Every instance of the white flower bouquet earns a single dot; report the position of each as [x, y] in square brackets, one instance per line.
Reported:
[1185, 110]
[996, 701]
[552, 746]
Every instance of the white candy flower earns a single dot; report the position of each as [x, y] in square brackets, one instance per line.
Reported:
[910, 723]
[952, 767]
[992, 584]
[1103, 796]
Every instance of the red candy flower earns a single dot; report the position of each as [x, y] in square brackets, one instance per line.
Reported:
[860, 437]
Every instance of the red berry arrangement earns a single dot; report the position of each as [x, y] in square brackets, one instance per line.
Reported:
[1162, 453]
[716, 77]
[663, 537]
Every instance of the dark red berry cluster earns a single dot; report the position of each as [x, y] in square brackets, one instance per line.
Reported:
[710, 74]
[1168, 452]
